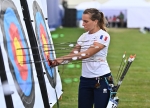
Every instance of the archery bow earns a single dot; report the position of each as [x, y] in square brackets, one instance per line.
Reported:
[113, 101]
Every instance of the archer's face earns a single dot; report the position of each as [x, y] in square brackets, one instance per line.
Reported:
[88, 24]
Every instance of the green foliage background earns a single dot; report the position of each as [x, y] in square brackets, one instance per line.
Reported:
[134, 92]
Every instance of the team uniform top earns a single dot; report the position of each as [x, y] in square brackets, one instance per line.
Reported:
[97, 64]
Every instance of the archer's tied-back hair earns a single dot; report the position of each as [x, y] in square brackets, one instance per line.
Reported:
[97, 15]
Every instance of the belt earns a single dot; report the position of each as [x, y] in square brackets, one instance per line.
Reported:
[100, 77]
[104, 76]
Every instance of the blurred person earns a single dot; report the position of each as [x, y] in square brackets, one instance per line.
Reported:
[91, 48]
[61, 13]
[117, 22]
[65, 4]
[121, 19]
[110, 21]
[114, 21]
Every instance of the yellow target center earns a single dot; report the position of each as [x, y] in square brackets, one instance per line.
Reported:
[46, 46]
[19, 52]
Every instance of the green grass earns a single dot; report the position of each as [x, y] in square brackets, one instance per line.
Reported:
[134, 92]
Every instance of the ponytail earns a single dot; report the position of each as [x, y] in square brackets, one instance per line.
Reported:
[102, 22]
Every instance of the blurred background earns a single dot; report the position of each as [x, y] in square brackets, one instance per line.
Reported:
[119, 13]
[129, 28]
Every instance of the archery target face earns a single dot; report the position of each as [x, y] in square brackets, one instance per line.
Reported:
[44, 40]
[14, 38]
[53, 83]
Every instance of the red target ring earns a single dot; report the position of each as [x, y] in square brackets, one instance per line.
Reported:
[44, 40]
[18, 53]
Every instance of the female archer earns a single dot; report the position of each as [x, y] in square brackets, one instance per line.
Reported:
[91, 46]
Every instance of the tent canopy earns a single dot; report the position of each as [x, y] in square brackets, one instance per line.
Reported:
[90, 4]
[124, 4]
[84, 5]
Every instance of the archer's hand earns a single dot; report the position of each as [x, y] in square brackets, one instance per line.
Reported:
[52, 63]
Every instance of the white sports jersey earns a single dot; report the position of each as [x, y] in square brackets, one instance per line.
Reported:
[97, 64]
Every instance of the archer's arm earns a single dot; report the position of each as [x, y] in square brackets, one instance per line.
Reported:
[93, 49]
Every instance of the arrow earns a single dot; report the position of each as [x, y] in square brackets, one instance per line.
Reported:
[115, 88]
[70, 44]
[121, 66]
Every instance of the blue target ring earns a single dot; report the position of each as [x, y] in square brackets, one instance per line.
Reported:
[9, 18]
[39, 21]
